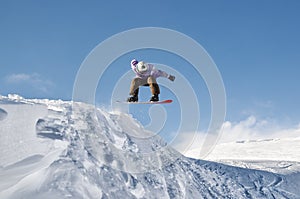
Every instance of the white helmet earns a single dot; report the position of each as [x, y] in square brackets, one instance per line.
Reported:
[142, 67]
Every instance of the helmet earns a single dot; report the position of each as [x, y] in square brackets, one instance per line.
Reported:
[134, 62]
[142, 67]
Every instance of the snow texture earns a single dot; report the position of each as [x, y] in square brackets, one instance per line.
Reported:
[56, 149]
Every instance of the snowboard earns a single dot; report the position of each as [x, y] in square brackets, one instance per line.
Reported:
[168, 101]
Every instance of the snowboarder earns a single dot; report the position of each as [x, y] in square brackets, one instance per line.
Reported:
[146, 75]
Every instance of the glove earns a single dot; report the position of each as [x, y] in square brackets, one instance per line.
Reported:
[171, 77]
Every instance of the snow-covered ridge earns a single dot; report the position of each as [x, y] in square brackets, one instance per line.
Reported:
[272, 149]
[73, 150]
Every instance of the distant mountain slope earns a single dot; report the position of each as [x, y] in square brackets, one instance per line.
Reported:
[55, 149]
[284, 149]
[274, 155]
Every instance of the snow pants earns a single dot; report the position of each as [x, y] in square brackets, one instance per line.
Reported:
[150, 81]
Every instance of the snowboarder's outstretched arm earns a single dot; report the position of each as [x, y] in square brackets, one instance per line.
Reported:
[159, 73]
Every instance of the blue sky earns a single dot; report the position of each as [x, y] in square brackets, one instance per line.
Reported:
[255, 45]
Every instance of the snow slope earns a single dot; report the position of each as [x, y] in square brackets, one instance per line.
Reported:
[283, 149]
[56, 149]
[279, 155]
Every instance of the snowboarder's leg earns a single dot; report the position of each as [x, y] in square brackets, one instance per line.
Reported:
[134, 89]
[154, 88]
[135, 84]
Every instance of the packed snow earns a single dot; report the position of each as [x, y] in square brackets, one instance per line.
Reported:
[57, 149]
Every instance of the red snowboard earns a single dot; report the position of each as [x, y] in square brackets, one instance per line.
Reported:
[168, 101]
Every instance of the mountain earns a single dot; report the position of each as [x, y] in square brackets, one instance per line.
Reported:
[278, 155]
[58, 149]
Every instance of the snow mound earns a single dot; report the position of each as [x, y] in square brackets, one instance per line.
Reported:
[56, 149]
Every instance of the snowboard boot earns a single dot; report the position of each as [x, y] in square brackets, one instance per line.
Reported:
[132, 98]
[154, 98]
[155, 92]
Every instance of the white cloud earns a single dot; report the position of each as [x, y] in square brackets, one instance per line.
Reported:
[34, 80]
[16, 78]
[248, 129]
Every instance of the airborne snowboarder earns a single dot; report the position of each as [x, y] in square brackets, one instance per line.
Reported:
[146, 75]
